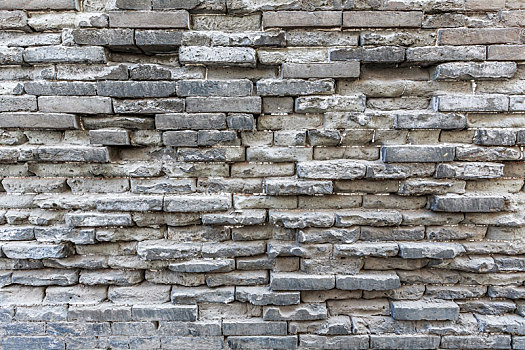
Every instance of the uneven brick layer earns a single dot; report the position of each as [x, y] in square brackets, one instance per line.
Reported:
[262, 174]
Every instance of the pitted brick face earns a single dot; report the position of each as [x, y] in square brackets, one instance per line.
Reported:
[262, 174]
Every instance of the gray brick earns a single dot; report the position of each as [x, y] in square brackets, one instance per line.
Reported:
[409, 341]
[279, 187]
[180, 138]
[13, 20]
[368, 217]
[478, 71]
[100, 312]
[262, 342]
[291, 87]
[34, 342]
[116, 39]
[506, 52]
[349, 69]
[136, 89]
[512, 324]
[165, 312]
[134, 4]
[286, 19]
[251, 104]
[149, 19]
[419, 250]
[302, 312]
[97, 219]
[16, 233]
[495, 137]
[331, 169]
[426, 154]
[165, 249]
[473, 103]
[158, 41]
[40, 5]
[297, 281]
[366, 249]
[241, 87]
[192, 295]
[265, 296]
[468, 203]
[178, 121]
[334, 342]
[298, 219]
[445, 53]
[425, 310]
[369, 281]
[476, 36]
[65, 54]
[386, 54]
[11, 55]
[110, 137]
[45, 277]
[379, 19]
[253, 327]
[17, 103]
[35, 250]
[476, 342]
[429, 120]
[241, 121]
[75, 104]
[196, 203]
[213, 56]
[334, 103]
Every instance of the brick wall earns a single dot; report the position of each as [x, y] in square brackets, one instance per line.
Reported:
[262, 174]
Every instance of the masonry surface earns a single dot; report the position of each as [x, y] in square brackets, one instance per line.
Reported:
[262, 174]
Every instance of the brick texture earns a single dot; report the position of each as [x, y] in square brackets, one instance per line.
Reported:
[262, 174]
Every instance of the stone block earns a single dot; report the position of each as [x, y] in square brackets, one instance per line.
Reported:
[285, 19]
[149, 19]
[425, 310]
[468, 203]
[382, 19]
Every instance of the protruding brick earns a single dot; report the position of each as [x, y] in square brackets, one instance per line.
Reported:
[473, 103]
[468, 203]
[410, 154]
[369, 281]
[425, 310]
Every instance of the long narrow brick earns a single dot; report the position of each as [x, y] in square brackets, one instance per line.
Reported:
[425, 310]
[321, 70]
[478, 36]
[149, 19]
[75, 104]
[382, 19]
[285, 19]
[468, 203]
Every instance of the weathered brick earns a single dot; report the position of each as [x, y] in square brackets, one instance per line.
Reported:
[302, 312]
[75, 104]
[241, 87]
[478, 71]
[164, 249]
[292, 87]
[251, 104]
[334, 342]
[445, 53]
[419, 250]
[506, 52]
[64, 54]
[137, 89]
[386, 54]
[468, 203]
[476, 342]
[473, 103]
[368, 281]
[11, 55]
[379, 19]
[334, 103]
[228, 56]
[286, 19]
[262, 342]
[13, 19]
[425, 310]
[149, 19]
[409, 341]
[295, 281]
[476, 36]
[35, 250]
[349, 69]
